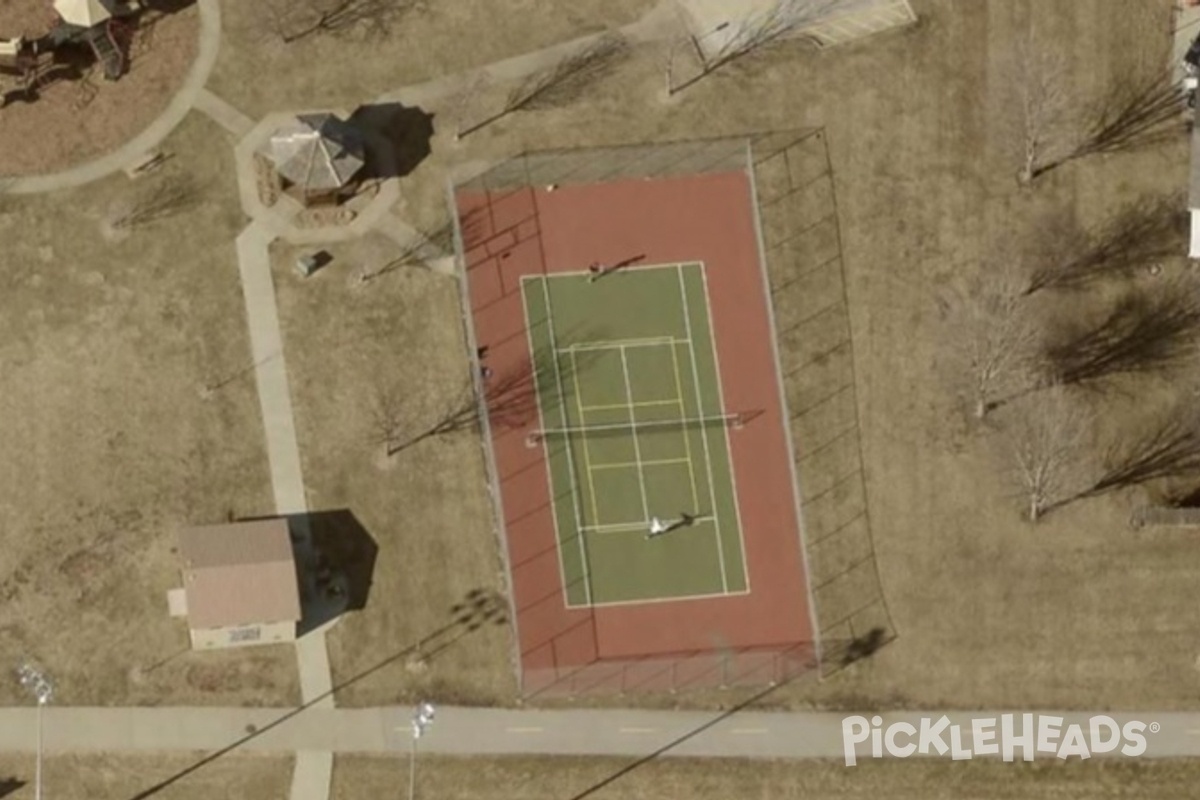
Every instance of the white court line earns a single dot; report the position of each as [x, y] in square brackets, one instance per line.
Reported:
[682, 598]
[613, 344]
[624, 527]
[661, 462]
[687, 320]
[537, 396]
[737, 506]
[562, 395]
[637, 449]
[687, 439]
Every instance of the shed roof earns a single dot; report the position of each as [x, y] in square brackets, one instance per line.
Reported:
[239, 574]
[317, 152]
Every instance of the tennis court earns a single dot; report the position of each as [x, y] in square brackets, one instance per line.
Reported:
[634, 429]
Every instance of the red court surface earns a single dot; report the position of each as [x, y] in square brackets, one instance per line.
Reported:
[706, 218]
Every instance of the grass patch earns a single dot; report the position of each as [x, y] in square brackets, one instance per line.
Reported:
[103, 775]
[111, 447]
[427, 506]
[564, 778]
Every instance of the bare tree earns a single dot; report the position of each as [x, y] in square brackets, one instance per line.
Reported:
[750, 34]
[293, 20]
[1130, 115]
[1045, 106]
[424, 246]
[165, 198]
[1170, 449]
[994, 335]
[1135, 115]
[1146, 331]
[1141, 233]
[398, 422]
[562, 82]
[1047, 436]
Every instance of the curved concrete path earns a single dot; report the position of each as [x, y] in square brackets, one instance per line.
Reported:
[155, 133]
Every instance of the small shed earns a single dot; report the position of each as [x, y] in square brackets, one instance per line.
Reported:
[318, 156]
[240, 584]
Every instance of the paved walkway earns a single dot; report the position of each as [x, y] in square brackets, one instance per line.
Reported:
[158, 130]
[228, 117]
[479, 731]
[314, 769]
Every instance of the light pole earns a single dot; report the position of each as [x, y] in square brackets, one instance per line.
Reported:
[33, 680]
[422, 719]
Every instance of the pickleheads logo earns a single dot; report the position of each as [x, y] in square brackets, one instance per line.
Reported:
[1032, 734]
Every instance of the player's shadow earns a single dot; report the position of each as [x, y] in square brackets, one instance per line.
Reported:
[10, 785]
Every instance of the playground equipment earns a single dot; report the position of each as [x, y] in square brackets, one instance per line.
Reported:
[100, 25]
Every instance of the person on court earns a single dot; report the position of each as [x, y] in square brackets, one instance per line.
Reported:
[657, 528]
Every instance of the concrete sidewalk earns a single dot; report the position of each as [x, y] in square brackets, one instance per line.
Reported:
[480, 731]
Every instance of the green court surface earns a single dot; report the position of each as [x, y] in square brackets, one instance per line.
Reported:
[633, 428]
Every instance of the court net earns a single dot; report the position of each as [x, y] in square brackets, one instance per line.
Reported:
[734, 421]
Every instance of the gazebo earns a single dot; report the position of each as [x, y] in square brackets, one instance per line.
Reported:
[318, 156]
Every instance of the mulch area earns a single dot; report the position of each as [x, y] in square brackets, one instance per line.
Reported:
[80, 116]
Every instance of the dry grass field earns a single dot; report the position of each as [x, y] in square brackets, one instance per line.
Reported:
[105, 348]
[110, 777]
[1075, 611]
[107, 344]
[426, 507]
[434, 39]
[676, 779]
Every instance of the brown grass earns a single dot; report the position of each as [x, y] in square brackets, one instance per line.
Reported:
[671, 778]
[105, 349]
[112, 777]
[425, 507]
[446, 37]
[991, 611]
[110, 434]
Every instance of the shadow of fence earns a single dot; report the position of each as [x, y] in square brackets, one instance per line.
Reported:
[673, 672]
[801, 240]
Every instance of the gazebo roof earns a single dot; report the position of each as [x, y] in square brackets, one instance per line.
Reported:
[84, 13]
[317, 152]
